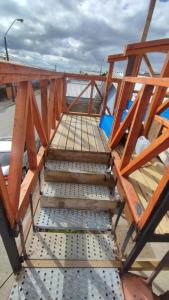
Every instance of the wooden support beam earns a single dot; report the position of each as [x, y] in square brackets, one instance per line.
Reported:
[124, 94]
[150, 69]
[147, 46]
[162, 121]
[38, 122]
[107, 88]
[155, 198]
[28, 185]
[90, 102]
[4, 197]
[128, 193]
[125, 123]
[116, 57]
[158, 97]
[18, 144]
[164, 105]
[156, 147]
[144, 98]
[78, 97]
[30, 139]
[139, 265]
[44, 105]
[148, 20]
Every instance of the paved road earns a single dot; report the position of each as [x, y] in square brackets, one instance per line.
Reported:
[7, 110]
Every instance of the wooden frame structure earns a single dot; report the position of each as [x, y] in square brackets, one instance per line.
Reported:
[149, 101]
[28, 117]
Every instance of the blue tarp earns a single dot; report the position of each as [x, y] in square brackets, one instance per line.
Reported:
[107, 121]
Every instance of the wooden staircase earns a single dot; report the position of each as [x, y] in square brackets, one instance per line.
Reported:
[68, 254]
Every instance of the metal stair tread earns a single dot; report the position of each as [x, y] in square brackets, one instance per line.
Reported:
[71, 246]
[75, 167]
[76, 190]
[68, 284]
[73, 219]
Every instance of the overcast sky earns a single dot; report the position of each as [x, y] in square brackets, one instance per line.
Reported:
[77, 34]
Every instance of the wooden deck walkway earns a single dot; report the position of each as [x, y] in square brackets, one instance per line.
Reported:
[80, 133]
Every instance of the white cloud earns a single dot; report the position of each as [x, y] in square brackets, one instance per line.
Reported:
[77, 34]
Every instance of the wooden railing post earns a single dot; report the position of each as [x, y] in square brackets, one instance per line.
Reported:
[44, 105]
[18, 143]
[107, 88]
[158, 97]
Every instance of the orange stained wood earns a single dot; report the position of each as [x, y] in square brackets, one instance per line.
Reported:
[116, 57]
[158, 97]
[90, 102]
[28, 185]
[150, 69]
[44, 105]
[78, 97]
[159, 81]
[38, 122]
[162, 106]
[18, 143]
[108, 83]
[162, 121]
[125, 123]
[124, 93]
[136, 125]
[4, 197]
[159, 145]
[135, 288]
[155, 198]
[147, 46]
[130, 195]
[30, 139]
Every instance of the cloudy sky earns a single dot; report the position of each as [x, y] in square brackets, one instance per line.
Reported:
[77, 35]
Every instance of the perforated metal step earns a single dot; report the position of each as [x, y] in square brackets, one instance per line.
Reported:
[71, 246]
[68, 284]
[76, 167]
[72, 191]
[53, 218]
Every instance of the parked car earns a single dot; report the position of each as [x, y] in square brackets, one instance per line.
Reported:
[5, 153]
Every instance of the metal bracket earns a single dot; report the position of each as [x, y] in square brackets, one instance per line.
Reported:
[25, 256]
[9, 241]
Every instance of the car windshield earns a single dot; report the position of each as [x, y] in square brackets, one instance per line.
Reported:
[4, 158]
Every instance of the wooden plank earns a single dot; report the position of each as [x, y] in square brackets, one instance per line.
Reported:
[147, 46]
[68, 155]
[78, 134]
[78, 203]
[159, 145]
[138, 265]
[91, 139]
[72, 177]
[98, 140]
[59, 132]
[85, 140]
[154, 130]
[154, 199]
[104, 140]
[71, 134]
[64, 133]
